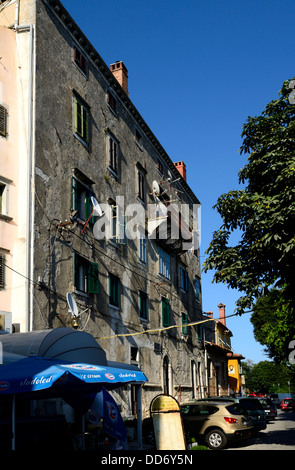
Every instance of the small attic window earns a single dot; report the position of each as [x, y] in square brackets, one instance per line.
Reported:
[80, 60]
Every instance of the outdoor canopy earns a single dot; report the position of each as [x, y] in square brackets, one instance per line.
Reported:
[33, 374]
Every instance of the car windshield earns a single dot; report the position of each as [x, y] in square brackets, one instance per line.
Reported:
[235, 409]
[251, 404]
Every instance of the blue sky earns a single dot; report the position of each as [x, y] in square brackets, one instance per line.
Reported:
[197, 70]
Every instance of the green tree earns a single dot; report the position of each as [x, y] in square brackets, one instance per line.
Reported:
[263, 211]
[268, 377]
[274, 326]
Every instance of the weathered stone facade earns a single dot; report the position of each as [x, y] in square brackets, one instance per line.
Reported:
[90, 140]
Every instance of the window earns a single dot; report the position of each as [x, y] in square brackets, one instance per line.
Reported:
[2, 189]
[81, 199]
[197, 289]
[164, 263]
[113, 222]
[143, 305]
[113, 153]
[142, 248]
[183, 279]
[3, 121]
[160, 167]
[134, 354]
[138, 138]
[141, 185]
[112, 102]
[114, 290]
[85, 275]
[117, 224]
[165, 312]
[184, 323]
[4, 198]
[81, 120]
[2, 271]
[80, 60]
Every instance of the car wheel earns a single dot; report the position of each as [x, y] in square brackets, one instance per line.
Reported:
[215, 439]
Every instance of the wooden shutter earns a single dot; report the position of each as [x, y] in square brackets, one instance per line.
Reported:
[165, 312]
[3, 121]
[2, 271]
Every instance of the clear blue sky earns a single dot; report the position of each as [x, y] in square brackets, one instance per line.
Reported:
[197, 70]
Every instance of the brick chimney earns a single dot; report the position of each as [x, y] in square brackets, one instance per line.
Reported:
[209, 314]
[120, 72]
[181, 167]
[222, 313]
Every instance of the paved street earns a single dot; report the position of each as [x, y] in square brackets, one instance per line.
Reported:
[279, 435]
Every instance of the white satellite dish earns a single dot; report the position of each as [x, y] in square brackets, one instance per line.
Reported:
[96, 207]
[72, 304]
[156, 188]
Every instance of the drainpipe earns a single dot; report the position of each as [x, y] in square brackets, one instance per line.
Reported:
[30, 28]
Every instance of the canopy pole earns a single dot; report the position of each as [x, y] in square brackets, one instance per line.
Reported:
[139, 416]
[13, 423]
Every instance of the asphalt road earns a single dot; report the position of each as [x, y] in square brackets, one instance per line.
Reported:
[279, 435]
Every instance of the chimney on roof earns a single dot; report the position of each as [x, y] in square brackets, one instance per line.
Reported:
[181, 167]
[221, 313]
[209, 314]
[120, 72]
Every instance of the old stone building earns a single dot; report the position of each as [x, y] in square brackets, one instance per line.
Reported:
[134, 278]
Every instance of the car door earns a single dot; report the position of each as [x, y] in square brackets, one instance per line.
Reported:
[194, 418]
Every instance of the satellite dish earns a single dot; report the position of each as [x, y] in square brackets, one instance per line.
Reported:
[72, 304]
[96, 207]
[156, 188]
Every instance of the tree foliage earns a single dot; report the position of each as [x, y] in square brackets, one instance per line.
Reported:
[268, 377]
[263, 210]
[274, 326]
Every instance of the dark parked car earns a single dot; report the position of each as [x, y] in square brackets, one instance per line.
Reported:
[269, 407]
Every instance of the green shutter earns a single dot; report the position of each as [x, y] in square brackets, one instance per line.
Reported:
[165, 312]
[93, 285]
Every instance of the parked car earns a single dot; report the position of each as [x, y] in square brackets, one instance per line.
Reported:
[288, 404]
[269, 408]
[276, 399]
[252, 407]
[215, 423]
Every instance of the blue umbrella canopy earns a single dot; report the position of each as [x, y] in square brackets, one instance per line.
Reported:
[34, 374]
